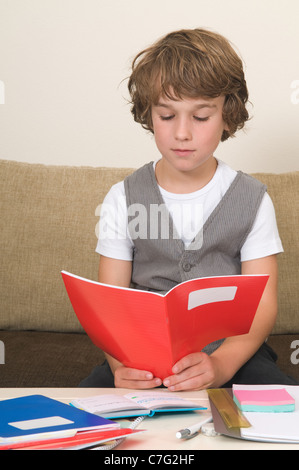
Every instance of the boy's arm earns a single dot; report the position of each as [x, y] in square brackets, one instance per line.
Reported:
[237, 350]
[198, 371]
[118, 273]
[115, 272]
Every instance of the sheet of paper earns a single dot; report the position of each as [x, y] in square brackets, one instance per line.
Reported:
[105, 403]
[155, 400]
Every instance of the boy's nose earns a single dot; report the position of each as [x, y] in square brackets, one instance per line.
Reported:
[182, 130]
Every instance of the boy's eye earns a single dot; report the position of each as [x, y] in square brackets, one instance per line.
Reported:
[201, 119]
[197, 118]
[166, 118]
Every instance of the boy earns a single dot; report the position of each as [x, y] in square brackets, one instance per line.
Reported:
[189, 90]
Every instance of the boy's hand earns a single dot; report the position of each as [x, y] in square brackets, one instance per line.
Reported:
[126, 377]
[196, 371]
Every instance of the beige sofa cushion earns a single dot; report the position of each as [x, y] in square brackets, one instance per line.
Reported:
[47, 224]
[284, 191]
[48, 220]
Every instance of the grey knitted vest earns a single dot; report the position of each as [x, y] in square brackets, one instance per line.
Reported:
[161, 260]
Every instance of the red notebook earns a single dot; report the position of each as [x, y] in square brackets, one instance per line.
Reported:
[150, 331]
[80, 440]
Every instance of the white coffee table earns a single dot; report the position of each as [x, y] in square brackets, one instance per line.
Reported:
[160, 429]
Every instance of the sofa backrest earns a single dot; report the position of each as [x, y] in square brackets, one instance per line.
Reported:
[48, 223]
[284, 191]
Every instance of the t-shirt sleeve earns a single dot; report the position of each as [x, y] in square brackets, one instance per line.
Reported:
[263, 239]
[113, 238]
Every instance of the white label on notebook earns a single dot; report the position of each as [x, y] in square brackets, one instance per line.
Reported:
[41, 423]
[211, 295]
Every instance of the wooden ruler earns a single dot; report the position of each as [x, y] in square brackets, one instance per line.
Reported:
[228, 410]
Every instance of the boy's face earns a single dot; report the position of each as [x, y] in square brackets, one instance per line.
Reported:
[188, 131]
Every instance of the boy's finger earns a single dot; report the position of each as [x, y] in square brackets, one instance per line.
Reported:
[188, 361]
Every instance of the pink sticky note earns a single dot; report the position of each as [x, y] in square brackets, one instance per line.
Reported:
[273, 397]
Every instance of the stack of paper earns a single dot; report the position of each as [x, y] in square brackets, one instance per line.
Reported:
[269, 426]
[40, 422]
[268, 401]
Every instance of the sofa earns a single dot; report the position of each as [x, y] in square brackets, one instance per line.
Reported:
[49, 217]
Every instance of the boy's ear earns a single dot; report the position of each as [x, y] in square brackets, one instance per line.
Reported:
[226, 127]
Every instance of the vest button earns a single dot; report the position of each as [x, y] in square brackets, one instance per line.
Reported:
[186, 267]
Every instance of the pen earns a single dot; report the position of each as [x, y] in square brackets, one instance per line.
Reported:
[191, 431]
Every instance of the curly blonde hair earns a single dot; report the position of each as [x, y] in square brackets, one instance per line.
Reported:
[189, 63]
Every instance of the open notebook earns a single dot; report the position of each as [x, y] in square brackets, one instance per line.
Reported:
[150, 331]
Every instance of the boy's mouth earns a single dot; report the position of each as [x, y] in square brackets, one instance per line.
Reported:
[183, 152]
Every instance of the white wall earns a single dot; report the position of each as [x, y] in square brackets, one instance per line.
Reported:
[62, 63]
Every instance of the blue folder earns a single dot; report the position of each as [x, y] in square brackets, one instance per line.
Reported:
[18, 415]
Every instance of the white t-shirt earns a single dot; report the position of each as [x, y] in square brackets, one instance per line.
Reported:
[189, 212]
